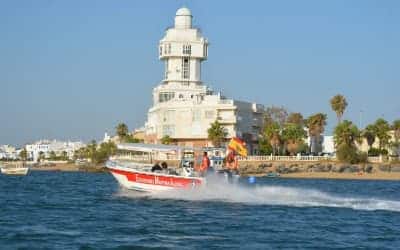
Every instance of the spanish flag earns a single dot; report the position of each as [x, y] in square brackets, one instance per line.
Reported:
[238, 146]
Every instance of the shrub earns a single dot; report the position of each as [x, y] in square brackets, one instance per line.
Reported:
[384, 151]
[347, 154]
[362, 157]
[374, 152]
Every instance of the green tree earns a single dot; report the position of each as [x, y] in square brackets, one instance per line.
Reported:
[345, 136]
[338, 104]
[316, 125]
[348, 153]
[294, 135]
[41, 155]
[52, 155]
[90, 150]
[23, 154]
[295, 118]
[264, 146]
[64, 155]
[217, 134]
[396, 129]
[104, 151]
[130, 139]
[346, 133]
[166, 139]
[382, 129]
[122, 130]
[272, 133]
[369, 134]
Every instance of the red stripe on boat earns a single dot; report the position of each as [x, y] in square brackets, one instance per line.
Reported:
[169, 181]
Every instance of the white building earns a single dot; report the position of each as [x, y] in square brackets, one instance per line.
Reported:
[8, 152]
[45, 147]
[183, 107]
[325, 144]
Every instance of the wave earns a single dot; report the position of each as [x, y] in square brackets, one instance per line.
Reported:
[270, 195]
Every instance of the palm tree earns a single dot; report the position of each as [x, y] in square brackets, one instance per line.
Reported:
[295, 118]
[23, 154]
[91, 150]
[122, 130]
[52, 155]
[294, 135]
[166, 139]
[64, 155]
[346, 133]
[369, 134]
[216, 134]
[338, 104]
[272, 132]
[316, 125]
[382, 129]
[41, 155]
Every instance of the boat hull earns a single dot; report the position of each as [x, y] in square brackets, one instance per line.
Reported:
[152, 182]
[15, 171]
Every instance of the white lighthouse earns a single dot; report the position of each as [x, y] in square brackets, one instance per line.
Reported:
[182, 49]
[183, 107]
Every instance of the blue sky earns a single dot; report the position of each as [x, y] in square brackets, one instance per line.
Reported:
[74, 69]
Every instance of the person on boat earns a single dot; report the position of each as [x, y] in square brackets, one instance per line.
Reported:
[156, 167]
[164, 166]
[167, 170]
[231, 162]
[205, 165]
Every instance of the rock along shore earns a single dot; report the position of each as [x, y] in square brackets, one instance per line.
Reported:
[326, 169]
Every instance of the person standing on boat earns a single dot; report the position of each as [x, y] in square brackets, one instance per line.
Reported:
[205, 164]
[231, 161]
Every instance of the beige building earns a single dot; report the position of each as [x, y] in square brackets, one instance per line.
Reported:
[183, 106]
[392, 150]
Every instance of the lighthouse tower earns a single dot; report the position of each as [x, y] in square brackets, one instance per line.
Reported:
[182, 49]
[183, 107]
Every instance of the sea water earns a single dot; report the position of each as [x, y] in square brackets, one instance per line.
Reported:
[60, 210]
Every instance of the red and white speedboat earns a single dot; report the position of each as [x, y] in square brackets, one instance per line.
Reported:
[132, 168]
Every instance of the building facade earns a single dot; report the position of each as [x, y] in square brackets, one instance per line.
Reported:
[46, 147]
[8, 152]
[183, 106]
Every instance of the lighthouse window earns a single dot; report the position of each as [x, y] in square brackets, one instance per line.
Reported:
[185, 68]
[160, 50]
[187, 49]
[169, 48]
[166, 96]
[205, 50]
[166, 69]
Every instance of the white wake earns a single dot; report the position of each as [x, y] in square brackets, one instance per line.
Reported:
[270, 195]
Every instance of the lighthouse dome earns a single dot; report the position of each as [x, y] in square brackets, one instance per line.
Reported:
[183, 12]
[183, 18]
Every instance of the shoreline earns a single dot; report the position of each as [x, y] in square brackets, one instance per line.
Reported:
[376, 175]
[380, 176]
[70, 167]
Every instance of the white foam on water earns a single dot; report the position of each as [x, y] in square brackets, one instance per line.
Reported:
[269, 195]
